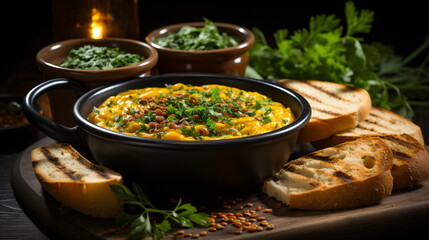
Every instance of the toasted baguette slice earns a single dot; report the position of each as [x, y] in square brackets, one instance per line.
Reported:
[349, 175]
[380, 121]
[335, 107]
[410, 160]
[76, 182]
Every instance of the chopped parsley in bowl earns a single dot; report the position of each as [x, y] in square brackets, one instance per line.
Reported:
[90, 57]
[204, 47]
[195, 38]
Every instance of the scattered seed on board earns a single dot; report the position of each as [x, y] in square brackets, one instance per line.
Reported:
[247, 220]
[268, 210]
[278, 205]
[270, 227]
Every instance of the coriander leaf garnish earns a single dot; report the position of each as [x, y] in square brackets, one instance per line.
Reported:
[146, 220]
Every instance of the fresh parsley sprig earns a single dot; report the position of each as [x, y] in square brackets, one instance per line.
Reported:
[146, 220]
[329, 51]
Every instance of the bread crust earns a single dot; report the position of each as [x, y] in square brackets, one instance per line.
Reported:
[335, 107]
[318, 128]
[410, 162]
[345, 196]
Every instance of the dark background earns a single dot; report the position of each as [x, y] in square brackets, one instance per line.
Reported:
[28, 26]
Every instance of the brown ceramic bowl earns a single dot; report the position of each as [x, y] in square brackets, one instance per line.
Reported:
[50, 57]
[232, 60]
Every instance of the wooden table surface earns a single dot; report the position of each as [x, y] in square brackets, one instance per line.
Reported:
[404, 214]
[14, 222]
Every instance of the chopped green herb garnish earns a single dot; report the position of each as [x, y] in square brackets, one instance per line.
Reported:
[119, 123]
[194, 38]
[186, 112]
[91, 57]
[265, 119]
[95, 110]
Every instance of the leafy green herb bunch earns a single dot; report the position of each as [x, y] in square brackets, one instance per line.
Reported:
[329, 51]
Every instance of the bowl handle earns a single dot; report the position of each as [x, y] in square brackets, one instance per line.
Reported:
[52, 129]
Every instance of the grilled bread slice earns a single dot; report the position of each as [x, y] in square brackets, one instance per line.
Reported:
[76, 182]
[349, 175]
[380, 121]
[335, 107]
[410, 160]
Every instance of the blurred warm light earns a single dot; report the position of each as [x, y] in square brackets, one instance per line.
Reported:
[97, 28]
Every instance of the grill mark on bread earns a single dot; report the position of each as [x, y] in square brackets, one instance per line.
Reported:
[333, 95]
[343, 176]
[55, 161]
[327, 112]
[376, 115]
[312, 97]
[320, 157]
[289, 167]
[395, 151]
[338, 174]
[100, 172]
[38, 176]
[398, 141]
[376, 125]
[401, 155]
[314, 184]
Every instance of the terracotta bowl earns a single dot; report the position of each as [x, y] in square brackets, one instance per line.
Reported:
[50, 57]
[232, 60]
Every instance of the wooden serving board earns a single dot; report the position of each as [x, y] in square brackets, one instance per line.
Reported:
[404, 213]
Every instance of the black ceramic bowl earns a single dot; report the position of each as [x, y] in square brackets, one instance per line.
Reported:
[178, 166]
